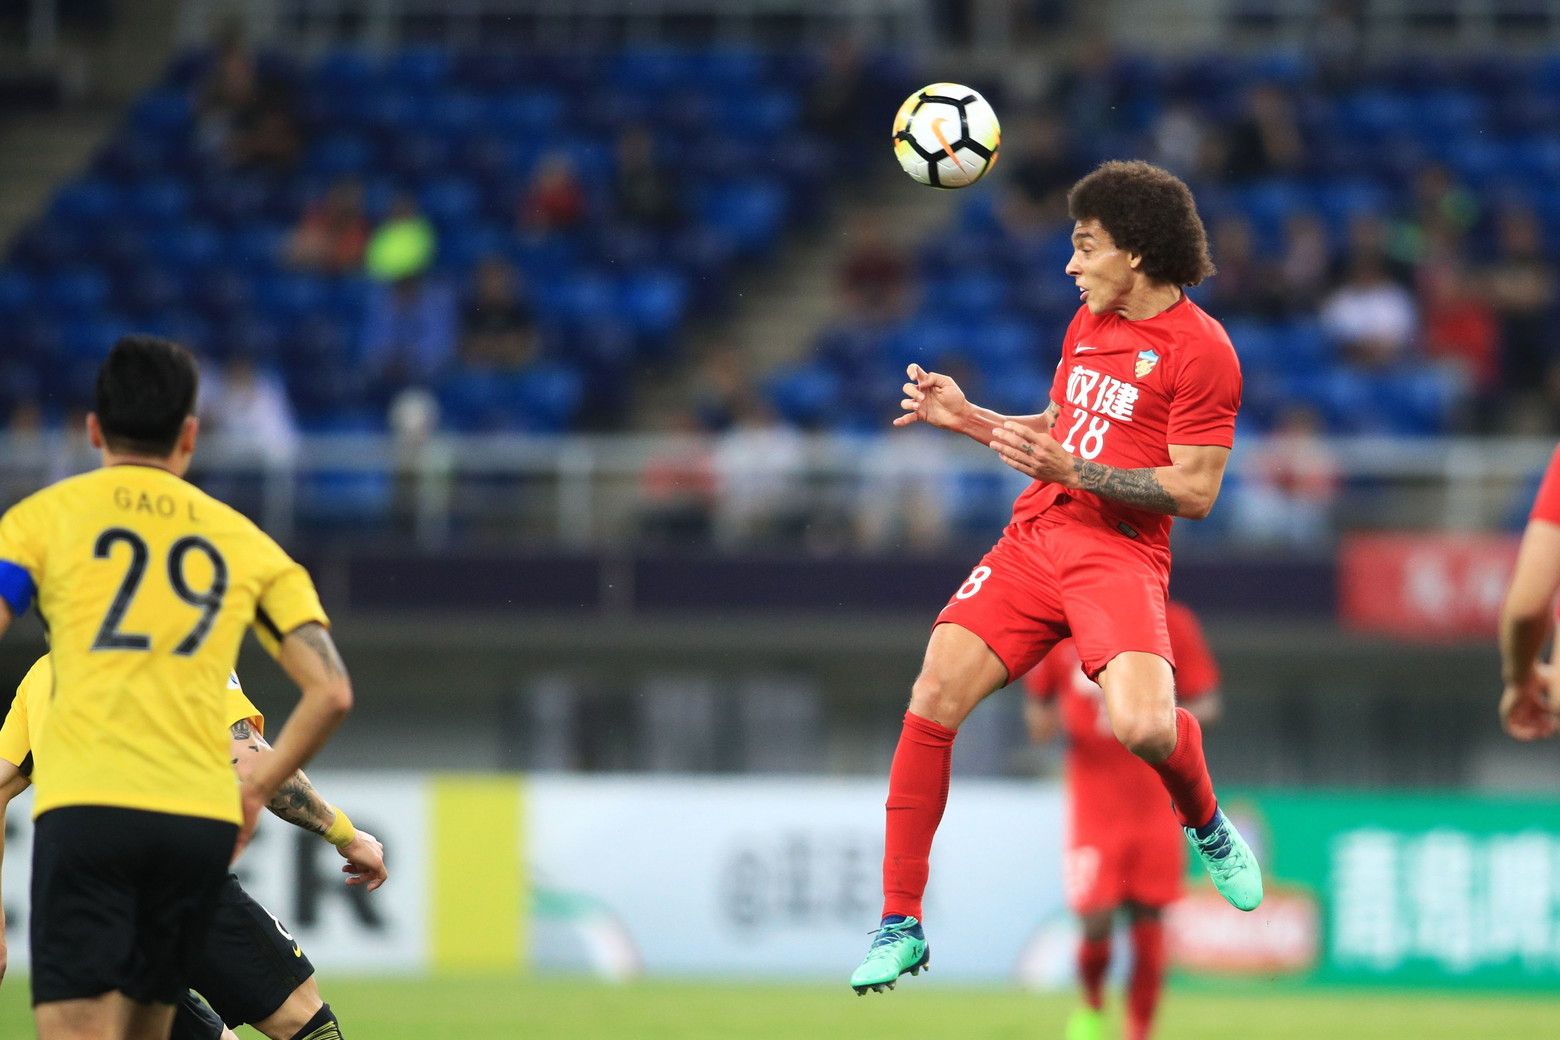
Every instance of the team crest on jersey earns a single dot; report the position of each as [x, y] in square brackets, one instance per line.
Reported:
[1146, 360]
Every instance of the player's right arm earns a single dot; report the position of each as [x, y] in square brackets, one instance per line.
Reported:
[308, 655]
[299, 803]
[1529, 697]
[935, 399]
[1526, 703]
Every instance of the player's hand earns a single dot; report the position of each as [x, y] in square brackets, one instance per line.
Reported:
[251, 800]
[932, 398]
[365, 861]
[1525, 708]
[1035, 454]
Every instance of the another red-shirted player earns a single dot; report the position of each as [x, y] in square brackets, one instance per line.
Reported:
[1124, 850]
[1139, 429]
[1530, 699]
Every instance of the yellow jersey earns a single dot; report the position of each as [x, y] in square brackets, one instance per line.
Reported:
[24, 722]
[145, 585]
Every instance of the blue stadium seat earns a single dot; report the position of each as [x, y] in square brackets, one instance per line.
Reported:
[164, 200]
[77, 292]
[804, 395]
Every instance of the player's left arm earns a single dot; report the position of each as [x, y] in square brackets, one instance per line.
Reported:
[1187, 487]
[298, 802]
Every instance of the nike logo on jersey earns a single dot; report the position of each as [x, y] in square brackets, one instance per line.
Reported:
[296, 951]
[1080, 348]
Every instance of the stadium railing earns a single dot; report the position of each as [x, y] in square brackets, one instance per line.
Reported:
[776, 488]
[308, 23]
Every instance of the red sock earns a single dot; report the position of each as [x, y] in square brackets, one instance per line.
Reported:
[1093, 962]
[917, 793]
[1185, 773]
[1148, 976]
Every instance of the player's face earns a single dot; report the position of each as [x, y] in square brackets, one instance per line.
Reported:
[1104, 272]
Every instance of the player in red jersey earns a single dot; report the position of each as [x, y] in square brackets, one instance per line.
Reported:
[1531, 695]
[1124, 850]
[1138, 429]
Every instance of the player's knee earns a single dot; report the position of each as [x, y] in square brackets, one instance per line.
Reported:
[1146, 735]
[934, 697]
[293, 1018]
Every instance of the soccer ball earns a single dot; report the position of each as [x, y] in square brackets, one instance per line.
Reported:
[946, 135]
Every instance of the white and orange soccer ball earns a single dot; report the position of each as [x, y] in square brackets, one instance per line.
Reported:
[946, 135]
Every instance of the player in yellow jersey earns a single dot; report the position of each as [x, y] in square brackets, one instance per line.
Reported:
[250, 969]
[145, 585]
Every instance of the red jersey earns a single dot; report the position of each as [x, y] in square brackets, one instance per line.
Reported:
[1547, 505]
[1109, 785]
[1128, 390]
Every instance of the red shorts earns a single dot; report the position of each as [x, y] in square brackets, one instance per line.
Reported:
[1114, 865]
[1047, 578]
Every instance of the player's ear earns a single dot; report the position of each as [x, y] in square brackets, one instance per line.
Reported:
[94, 432]
[1135, 261]
[187, 434]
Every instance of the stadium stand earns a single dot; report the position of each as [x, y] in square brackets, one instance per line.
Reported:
[183, 222]
[1426, 165]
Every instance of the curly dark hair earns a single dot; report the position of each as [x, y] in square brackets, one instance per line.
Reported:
[1149, 211]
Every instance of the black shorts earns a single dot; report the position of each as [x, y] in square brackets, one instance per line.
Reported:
[248, 964]
[121, 899]
[193, 1020]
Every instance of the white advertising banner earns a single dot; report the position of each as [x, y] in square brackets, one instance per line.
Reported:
[781, 877]
[297, 877]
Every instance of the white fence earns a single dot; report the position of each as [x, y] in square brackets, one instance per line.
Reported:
[914, 490]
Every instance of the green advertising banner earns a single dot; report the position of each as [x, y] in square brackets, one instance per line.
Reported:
[1395, 889]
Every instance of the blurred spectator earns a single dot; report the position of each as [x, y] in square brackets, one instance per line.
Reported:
[1088, 92]
[333, 232]
[1181, 140]
[1040, 166]
[646, 189]
[1289, 485]
[833, 104]
[1370, 317]
[1440, 209]
[409, 330]
[1521, 284]
[245, 118]
[554, 200]
[1460, 326]
[722, 386]
[760, 468]
[248, 408]
[498, 328]
[874, 276]
[1337, 43]
[1304, 266]
[1266, 141]
[1243, 286]
[677, 486]
[906, 496]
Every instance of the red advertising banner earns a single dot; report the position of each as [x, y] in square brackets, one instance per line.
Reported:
[1424, 586]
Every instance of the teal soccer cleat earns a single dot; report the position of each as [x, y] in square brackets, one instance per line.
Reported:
[898, 946]
[1229, 860]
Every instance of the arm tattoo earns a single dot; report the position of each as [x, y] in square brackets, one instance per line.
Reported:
[316, 638]
[242, 730]
[298, 803]
[1138, 488]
